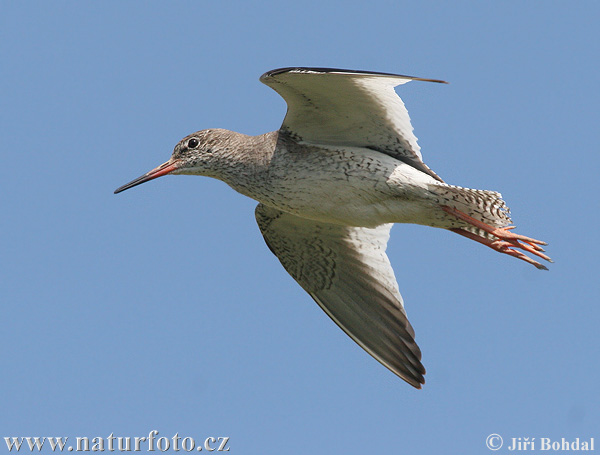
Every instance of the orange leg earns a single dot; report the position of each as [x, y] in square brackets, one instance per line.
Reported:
[506, 241]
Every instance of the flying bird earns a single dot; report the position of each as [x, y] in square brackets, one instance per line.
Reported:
[330, 183]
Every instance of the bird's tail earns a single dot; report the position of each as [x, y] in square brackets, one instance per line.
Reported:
[485, 206]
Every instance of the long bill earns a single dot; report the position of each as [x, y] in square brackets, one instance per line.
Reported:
[163, 169]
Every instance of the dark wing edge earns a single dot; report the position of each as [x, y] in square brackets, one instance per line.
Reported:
[345, 270]
[308, 69]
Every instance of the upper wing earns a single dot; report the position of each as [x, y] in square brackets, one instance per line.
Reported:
[345, 269]
[344, 107]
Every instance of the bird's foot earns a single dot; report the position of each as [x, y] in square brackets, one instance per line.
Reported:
[505, 241]
[506, 247]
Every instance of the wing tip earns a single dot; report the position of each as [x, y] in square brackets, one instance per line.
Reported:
[413, 380]
[438, 81]
[416, 381]
[322, 70]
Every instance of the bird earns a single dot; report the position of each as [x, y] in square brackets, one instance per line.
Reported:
[341, 170]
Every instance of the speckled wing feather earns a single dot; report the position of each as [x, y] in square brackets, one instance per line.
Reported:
[346, 271]
[345, 107]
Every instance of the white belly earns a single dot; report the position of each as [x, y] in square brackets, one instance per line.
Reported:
[351, 186]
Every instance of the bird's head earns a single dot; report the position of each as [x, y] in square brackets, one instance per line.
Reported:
[196, 154]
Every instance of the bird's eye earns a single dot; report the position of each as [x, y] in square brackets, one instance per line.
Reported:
[193, 143]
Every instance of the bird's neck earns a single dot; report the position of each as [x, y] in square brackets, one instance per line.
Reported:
[246, 161]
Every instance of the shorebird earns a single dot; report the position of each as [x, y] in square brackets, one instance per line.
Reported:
[343, 167]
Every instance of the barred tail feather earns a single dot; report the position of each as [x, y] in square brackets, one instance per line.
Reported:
[483, 205]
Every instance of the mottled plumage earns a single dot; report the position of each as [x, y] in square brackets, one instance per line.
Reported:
[344, 166]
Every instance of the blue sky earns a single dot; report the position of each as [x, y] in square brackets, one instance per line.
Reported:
[162, 309]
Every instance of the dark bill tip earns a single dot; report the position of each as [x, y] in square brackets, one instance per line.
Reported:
[159, 171]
